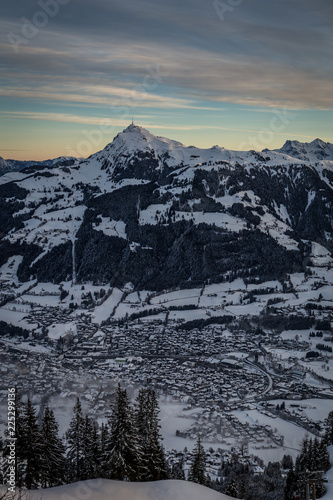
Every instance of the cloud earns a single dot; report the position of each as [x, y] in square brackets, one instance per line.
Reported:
[177, 80]
[155, 56]
[110, 121]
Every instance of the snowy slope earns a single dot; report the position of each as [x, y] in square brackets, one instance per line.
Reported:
[135, 139]
[104, 489]
[141, 186]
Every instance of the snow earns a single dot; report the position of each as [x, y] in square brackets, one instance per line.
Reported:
[111, 227]
[152, 214]
[8, 271]
[60, 329]
[179, 297]
[266, 284]
[104, 311]
[106, 489]
[293, 434]
[42, 300]
[245, 310]
[50, 229]
[320, 255]
[311, 197]
[16, 318]
[277, 229]
[308, 151]
[170, 422]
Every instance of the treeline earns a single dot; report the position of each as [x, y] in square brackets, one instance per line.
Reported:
[309, 466]
[128, 447]
[324, 347]
[13, 330]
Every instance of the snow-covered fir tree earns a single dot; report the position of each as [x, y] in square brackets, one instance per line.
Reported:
[31, 447]
[232, 489]
[124, 449]
[329, 429]
[197, 472]
[104, 439]
[312, 460]
[91, 449]
[53, 452]
[154, 465]
[75, 439]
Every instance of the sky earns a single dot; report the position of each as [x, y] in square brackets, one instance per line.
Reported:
[242, 74]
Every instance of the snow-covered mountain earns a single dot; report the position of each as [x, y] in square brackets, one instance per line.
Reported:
[308, 151]
[151, 211]
[158, 156]
[16, 165]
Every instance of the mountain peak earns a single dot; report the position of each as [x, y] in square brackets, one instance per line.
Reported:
[133, 128]
[308, 151]
[136, 138]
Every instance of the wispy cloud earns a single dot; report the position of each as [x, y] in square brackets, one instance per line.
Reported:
[94, 58]
[185, 78]
[105, 120]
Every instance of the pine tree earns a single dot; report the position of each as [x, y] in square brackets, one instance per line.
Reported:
[302, 461]
[324, 456]
[242, 490]
[32, 447]
[329, 429]
[232, 489]
[312, 459]
[154, 465]
[53, 450]
[125, 453]
[75, 438]
[91, 449]
[197, 472]
[291, 485]
[104, 439]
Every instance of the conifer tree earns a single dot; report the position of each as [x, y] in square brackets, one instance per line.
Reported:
[291, 485]
[313, 458]
[91, 449]
[329, 429]
[75, 438]
[154, 465]
[104, 439]
[324, 456]
[242, 490]
[53, 452]
[232, 489]
[32, 447]
[197, 472]
[125, 453]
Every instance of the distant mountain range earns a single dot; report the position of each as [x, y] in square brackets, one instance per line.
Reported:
[16, 165]
[150, 211]
[308, 151]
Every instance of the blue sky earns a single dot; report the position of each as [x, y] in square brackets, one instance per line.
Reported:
[243, 74]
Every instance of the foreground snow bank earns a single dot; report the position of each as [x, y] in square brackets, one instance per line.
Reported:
[105, 489]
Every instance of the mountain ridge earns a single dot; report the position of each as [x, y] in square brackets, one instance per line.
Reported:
[308, 151]
[10, 165]
[150, 211]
